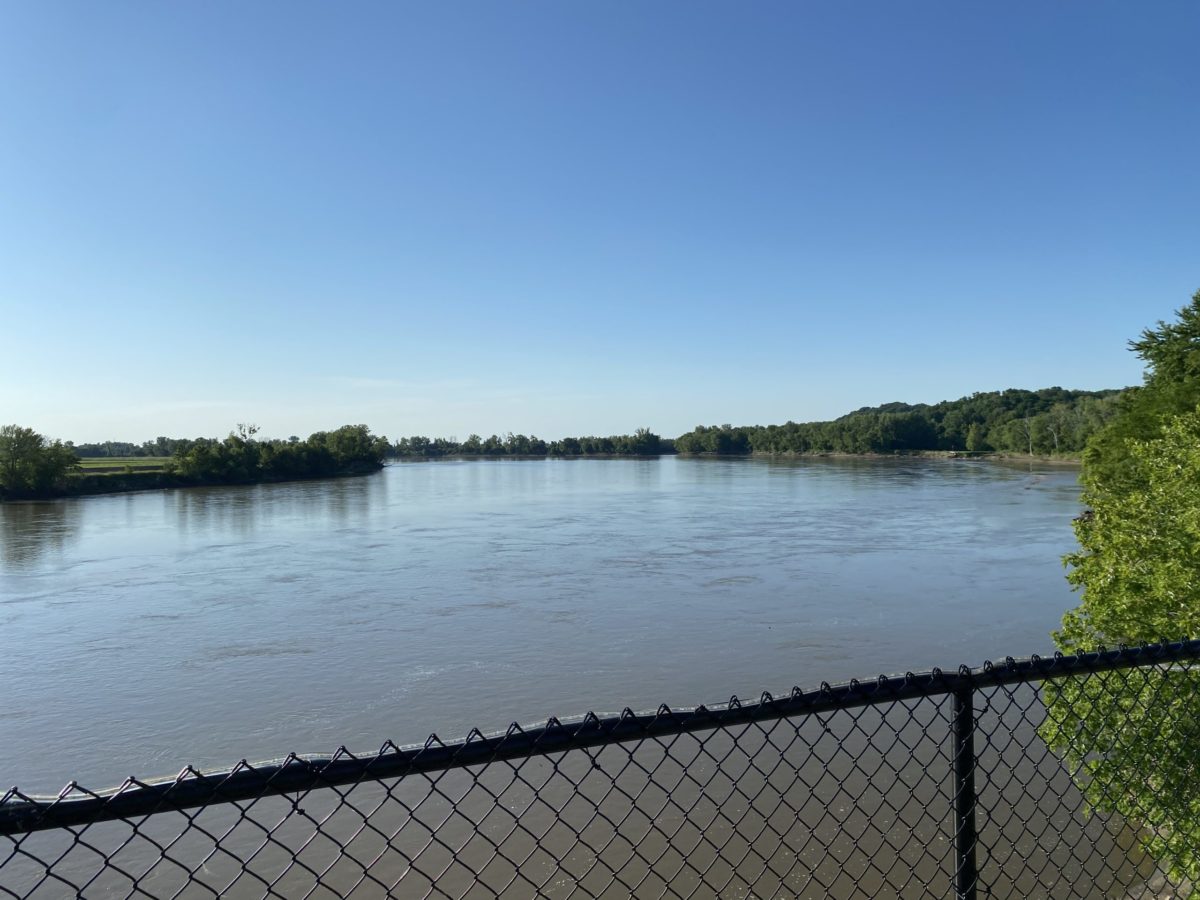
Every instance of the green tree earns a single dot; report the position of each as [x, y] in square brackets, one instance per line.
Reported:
[1134, 737]
[1059, 423]
[1139, 557]
[242, 458]
[1016, 420]
[30, 464]
[1171, 351]
[974, 439]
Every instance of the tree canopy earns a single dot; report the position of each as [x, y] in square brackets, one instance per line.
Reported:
[1171, 351]
[1051, 420]
[642, 442]
[241, 458]
[1140, 540]
[30, 464]
[160, 446]
[1134, 737]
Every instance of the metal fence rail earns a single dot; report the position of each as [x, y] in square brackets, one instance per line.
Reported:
[921, 785]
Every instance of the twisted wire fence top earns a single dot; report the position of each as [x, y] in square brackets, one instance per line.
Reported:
[191, 787]
[844, 790]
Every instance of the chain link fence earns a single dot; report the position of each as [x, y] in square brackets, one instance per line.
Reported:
[931, 785]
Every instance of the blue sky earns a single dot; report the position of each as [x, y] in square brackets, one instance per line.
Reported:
[567, 218]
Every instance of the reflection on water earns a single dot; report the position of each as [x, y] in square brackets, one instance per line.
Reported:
[206, 625]
[35, 533]
[243, 510]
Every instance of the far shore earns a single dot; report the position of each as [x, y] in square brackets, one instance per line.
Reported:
[985, 455]
[957, 455]
[1067, 462]
[105, 483]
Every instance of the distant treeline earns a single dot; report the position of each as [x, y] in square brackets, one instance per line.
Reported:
[32, 466]
[643, 442]
[1049, 421]
[161, 446]
[1052, 420]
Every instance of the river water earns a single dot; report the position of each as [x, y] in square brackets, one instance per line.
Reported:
[146, 631]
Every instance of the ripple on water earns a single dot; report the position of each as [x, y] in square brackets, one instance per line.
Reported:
[434, 594]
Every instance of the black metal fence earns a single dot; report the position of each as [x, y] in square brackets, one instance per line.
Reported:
[929, 785]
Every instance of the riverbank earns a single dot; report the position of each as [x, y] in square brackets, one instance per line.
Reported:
[988, 456]
[519, 457]
[1067, 462]
[984, 455]
[45, 471]
[89, 484]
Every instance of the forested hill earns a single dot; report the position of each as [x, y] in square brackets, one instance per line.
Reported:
[1048, 421]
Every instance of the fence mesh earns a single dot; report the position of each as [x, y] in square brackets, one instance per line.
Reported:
[846, 791]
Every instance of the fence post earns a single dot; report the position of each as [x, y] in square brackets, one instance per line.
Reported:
[965, 870]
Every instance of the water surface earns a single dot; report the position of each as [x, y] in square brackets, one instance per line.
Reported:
[146, 631]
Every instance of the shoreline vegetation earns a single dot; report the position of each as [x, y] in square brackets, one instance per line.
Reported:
[1050, 422]
[1050, 426]
[32, 468]
[1130, 742]
[1065, 459]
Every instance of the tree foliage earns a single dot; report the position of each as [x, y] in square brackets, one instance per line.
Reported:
[241, 458]
[1134, 736]
[1171, 351]
[160, 446]
[30, 464]
[1052, 420]
[642, 442]
[1139, 558]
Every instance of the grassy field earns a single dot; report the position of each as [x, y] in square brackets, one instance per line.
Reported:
[98, 464]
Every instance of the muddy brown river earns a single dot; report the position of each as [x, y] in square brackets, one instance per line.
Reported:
[145, 631]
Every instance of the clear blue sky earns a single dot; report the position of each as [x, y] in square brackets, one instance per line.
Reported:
[568, 218]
